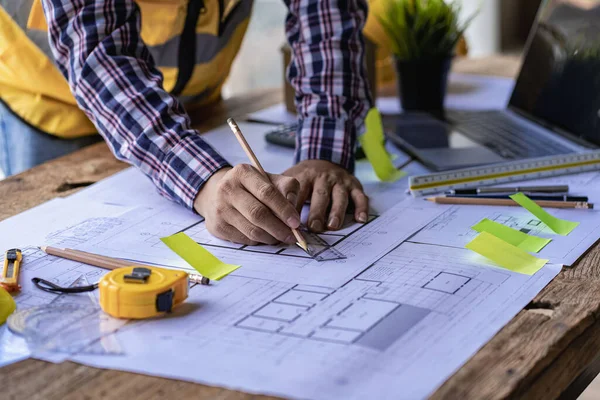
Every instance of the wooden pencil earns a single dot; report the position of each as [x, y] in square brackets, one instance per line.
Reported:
[476, 201]
[105, 262]
[254, 160]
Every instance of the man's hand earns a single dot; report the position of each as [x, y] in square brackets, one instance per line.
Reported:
[325, 183]
[242, 206]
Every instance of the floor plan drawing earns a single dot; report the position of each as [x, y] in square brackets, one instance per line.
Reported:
[370, 337]
[59, 271]
[453, 228]
[200, 234]
[137, 237]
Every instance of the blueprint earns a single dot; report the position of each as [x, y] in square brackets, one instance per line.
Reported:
[136, 236]
[405, 310]
[375, 336]
[37, 264]
[453, 228]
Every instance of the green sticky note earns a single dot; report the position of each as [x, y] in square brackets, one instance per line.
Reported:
[198, 257]
[505, 254]
[516, 238]
[560, 226]
[372, 142]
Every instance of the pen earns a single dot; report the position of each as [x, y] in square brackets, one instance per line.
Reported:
[106, 262]
[532, 197]
[476, 201]
[523, 189]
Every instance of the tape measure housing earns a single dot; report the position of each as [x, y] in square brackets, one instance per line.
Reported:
[132, 293]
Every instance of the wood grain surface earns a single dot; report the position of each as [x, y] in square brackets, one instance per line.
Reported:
[536, 356]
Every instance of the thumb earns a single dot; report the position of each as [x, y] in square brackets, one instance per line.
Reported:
[288, 186]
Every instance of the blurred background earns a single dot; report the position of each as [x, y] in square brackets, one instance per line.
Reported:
[501, 26]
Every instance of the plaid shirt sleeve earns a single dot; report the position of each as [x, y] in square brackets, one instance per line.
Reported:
[328, 73]
[98, 48]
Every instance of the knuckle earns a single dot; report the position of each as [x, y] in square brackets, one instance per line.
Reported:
[220, 211]
[258, 212]
[321, 191]
[243, 169]
[255, 234]
[267, 191]
[226, 186]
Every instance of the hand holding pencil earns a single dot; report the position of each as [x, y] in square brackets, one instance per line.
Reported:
[242, 205]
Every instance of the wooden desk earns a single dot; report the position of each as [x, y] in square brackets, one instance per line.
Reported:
[537, 355]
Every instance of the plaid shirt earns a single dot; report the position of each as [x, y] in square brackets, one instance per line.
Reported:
[98, 48]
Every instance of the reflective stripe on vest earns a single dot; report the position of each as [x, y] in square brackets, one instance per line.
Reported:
[32, 86]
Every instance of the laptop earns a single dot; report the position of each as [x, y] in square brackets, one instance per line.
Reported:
[554, 107]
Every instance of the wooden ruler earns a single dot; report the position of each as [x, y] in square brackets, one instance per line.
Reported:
[507, 172]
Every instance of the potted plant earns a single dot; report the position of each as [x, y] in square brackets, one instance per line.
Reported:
[423, 36]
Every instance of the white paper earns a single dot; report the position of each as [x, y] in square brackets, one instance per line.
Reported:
[453, 228]
[36, 225]
[394, 320]
[37, 264]
[136, 236]
[397, 330]
[384, 195]
[584, 184]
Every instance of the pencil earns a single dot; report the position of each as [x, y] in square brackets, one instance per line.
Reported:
[248, 150]
[508, 202]
[532, 197]
[105, 262]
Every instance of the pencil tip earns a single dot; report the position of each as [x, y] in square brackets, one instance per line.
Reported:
[430, 199]
[43, 248]
[303, 246]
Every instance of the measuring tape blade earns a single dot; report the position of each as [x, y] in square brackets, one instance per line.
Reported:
[533, 168]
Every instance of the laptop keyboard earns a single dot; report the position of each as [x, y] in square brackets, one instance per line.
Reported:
[504, 136]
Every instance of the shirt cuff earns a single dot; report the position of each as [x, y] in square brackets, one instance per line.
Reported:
[187, 167]
[329, 139]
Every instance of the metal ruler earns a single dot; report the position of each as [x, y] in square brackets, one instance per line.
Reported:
[513, 171]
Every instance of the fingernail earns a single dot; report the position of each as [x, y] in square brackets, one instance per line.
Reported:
[316, 225]
[362, 217]
[290, 239]
[292, 198]
[293, 222]
[334, 222]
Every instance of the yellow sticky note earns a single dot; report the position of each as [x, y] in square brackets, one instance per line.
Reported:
[198, 257]
[372, 142]
[505, 254]
[560, 226]
[7, 305]
[512, 236]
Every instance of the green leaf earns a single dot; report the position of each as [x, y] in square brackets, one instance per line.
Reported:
[423, 28]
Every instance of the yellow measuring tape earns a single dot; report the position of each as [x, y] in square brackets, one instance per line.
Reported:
[142, 292]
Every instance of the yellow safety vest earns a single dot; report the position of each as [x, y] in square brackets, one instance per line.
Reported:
[34, 89]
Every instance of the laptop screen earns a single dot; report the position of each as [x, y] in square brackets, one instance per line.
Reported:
[559, 83]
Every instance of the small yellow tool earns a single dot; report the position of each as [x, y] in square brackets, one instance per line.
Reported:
[142, 292]
[9, 279]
